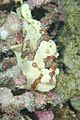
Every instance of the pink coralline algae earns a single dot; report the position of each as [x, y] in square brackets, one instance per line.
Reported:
[40, 100]
[13, 77]
[30, 100]
[4, 1]
[18, 38]
[54, 97]
[45, 115]
[11, 27]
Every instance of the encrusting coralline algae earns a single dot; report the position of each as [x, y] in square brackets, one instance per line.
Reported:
[35, 76]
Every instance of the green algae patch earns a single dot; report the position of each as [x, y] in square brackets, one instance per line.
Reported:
[68, 83]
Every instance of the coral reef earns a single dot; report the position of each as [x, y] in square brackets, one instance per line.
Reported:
[39, 60]
[30, 100]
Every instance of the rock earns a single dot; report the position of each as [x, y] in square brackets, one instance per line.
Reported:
[75, 102]
[45, 115]
[11, 27]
